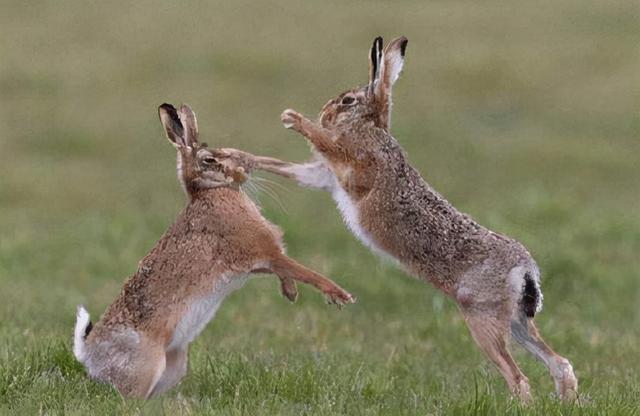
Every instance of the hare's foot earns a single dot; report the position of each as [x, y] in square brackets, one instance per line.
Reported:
[566, 381]
[524, 331]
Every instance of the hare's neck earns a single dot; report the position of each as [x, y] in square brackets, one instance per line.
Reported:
[222, 198]
[221, 206]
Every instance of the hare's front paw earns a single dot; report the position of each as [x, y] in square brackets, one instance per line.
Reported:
[229, 153]
[240, 158]
[291, 119]
[289, 289]
[338, 296]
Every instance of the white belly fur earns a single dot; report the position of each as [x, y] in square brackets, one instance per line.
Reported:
[350, 215]
[202, 310]
[318, 174]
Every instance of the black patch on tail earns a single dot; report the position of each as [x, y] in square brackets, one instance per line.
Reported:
[87, 330]
[529, 296]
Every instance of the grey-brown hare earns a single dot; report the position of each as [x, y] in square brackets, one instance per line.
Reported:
[140, 344]
[390, 208]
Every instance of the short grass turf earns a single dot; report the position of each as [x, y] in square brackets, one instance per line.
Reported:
[523, 114]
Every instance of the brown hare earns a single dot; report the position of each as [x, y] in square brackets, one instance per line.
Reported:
[389, 207]
[140, 344]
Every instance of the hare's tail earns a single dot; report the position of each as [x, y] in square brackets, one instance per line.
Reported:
[82, 329]
[525, 281]
[531, 296]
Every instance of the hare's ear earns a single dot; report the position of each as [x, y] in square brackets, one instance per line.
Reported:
[375, 60]
[190, 125]
[391, 66]
[392, 63]
[172, 125]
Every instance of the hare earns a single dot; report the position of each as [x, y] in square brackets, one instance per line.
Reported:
[391, 209]
[140, 344]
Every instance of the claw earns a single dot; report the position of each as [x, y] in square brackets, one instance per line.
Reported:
[340, 299]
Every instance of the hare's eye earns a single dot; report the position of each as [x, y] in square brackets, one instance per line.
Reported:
[209, 160]
[348, 100]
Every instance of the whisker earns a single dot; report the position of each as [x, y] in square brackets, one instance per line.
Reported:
[269, 181]
[271, 194]
[267, 187]
[273, 185]
[252, 191]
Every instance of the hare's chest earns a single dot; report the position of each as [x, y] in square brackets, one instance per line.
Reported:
[350, 215]
[202, 309]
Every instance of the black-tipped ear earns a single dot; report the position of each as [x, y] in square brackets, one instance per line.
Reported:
[393, 61]
[403, 46]
[189, 123]
[172, 125]
[389, 71]
[375, 59]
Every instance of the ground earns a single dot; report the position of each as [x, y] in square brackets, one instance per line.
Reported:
[523, 114]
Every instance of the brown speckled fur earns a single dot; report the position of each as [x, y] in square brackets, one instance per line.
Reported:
[421, 229]
[140, 345]
[392, 209]
[220, 231]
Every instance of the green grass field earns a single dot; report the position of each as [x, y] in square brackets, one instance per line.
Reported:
[523, 114]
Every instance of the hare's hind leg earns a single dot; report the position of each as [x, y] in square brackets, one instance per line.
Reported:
[491, 335]
[526, 334]
[138, 377]
[175, 370]
[136, 374]
[129, 361]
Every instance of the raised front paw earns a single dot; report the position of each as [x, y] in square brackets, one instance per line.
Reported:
[338, 296]
[289, 289]
[291, 119]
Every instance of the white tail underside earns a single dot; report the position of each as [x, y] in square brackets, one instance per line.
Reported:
[82, 321]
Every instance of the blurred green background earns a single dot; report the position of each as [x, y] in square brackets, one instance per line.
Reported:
[523, 114]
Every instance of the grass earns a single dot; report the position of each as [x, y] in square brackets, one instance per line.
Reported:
[524, 114]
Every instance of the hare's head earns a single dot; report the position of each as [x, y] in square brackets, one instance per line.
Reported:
[371, 103]
[198, 168]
